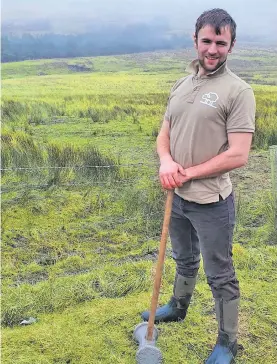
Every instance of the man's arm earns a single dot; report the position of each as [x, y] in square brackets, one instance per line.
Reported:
[236, 156]
[170, 172]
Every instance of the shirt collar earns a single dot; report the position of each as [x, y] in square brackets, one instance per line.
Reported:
[193, 68]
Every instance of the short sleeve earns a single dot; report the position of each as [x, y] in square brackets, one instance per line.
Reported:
[241, 116]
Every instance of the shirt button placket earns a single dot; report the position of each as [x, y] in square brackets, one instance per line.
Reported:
[197, 84]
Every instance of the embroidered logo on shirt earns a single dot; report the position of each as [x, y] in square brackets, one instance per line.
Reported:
[210, 99]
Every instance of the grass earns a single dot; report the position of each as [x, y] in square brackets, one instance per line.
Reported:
[80, 242]
[101, 330]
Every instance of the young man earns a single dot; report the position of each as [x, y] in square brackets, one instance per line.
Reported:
[206, 132]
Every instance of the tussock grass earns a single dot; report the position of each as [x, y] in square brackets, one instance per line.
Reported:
[57, 294]
[19, 151]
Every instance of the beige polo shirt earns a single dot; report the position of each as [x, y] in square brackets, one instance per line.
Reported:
[201, 112]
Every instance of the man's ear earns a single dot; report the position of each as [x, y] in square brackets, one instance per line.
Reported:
[194, 41]
[232, 46]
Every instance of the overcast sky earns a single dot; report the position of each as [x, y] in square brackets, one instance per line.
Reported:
[252, 17]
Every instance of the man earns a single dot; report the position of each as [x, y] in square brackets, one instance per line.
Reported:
[206, 132]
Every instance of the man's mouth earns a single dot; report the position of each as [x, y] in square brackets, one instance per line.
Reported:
[211, 58]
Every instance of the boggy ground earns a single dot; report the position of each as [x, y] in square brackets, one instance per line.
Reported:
[79, 244]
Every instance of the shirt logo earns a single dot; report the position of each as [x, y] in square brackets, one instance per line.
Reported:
[210, 99]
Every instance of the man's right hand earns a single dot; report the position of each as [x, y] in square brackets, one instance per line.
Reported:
[169, 174]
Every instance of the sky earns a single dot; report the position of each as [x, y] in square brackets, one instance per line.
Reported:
[255, 18]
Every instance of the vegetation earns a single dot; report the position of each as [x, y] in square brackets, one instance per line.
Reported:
[82, 211]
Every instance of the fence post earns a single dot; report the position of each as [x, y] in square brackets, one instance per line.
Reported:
[273, 164]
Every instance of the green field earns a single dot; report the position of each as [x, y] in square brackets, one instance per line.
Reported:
[82, 211]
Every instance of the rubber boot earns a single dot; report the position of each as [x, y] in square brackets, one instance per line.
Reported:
[176, 308]
[226, 346]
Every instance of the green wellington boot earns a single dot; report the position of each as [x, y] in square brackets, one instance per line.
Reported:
[176, 308]
[226, 346]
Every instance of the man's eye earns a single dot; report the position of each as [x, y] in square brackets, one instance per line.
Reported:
[206, 41]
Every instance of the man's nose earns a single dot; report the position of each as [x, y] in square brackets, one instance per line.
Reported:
[212, 48]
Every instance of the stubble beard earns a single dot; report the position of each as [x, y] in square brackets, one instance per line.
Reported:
[202, 64]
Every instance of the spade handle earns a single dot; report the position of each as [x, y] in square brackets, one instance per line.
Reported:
[160, 263]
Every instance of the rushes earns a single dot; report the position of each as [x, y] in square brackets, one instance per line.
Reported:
[273, 163]
[19, 150]
[266, 117]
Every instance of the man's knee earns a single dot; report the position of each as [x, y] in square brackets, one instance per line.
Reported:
[187, 266]
[187, 271]
[224, 286]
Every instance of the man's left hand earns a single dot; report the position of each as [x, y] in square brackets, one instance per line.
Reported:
[185, 176]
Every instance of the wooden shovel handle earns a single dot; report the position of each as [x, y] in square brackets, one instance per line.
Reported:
[159, 269]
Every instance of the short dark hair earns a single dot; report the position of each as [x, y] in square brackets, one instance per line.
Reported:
[217, 18]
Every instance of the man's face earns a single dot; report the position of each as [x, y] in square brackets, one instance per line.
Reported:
[212, 49]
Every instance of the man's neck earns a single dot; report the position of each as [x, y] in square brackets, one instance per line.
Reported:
[203, 72]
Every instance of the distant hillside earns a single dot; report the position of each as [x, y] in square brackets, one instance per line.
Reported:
[109, 40]
[244, 61]
[36, 41]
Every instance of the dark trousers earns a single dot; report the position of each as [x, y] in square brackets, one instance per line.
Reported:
[206, 229]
